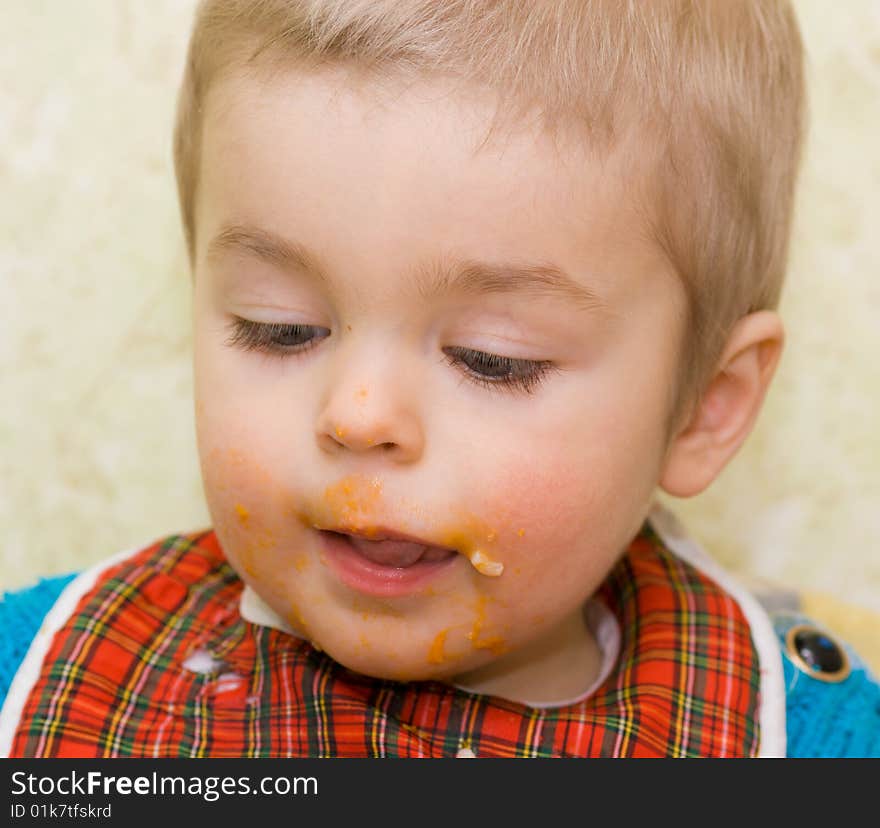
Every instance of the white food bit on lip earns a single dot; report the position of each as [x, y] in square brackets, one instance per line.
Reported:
[485, 565]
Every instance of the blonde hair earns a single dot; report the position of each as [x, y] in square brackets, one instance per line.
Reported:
[717, 85]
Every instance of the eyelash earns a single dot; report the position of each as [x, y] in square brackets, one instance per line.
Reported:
[265, 336]
[506, 373]
[515, 375]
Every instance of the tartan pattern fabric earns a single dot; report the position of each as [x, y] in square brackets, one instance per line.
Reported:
[114, 684]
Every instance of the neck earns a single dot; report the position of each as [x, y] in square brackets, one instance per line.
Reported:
[558, 666]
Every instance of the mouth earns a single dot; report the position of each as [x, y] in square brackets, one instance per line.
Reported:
[387, 548]
[382, 562]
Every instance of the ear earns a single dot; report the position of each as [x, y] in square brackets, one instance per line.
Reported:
[728, 407]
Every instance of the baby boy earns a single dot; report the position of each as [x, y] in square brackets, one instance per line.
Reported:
[471, 281]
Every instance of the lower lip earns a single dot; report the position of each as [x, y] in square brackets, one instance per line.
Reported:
[369, 578]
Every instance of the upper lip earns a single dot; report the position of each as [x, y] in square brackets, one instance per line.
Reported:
[379, 533]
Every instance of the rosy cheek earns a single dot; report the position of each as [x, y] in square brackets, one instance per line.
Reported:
[235, 476]
[535, 514]
[546, 532]
[238, 491]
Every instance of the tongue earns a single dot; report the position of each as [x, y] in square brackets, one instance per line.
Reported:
[389, 552]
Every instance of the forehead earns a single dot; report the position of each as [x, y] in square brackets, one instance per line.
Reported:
[339, 162]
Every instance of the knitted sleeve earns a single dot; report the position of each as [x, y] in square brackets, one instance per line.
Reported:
[21, 614]
[832, 699]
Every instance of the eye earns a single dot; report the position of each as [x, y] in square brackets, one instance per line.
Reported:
[274, 337]
[499, 372]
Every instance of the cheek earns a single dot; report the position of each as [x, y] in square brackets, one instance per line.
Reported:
[562, 519]
[555, 498]
[252, 511]
[244, 449]
[258, 531]
[243, 466]
[544, 518]
[237, 490]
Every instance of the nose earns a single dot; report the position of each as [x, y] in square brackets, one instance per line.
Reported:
[371, 406]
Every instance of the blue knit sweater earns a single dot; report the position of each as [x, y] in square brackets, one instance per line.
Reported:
[822, 719]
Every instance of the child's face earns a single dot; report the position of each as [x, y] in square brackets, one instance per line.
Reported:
[380, 409]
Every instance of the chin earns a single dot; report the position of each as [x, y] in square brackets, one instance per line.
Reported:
[391, 666]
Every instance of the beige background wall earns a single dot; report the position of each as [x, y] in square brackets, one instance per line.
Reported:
[96, 438]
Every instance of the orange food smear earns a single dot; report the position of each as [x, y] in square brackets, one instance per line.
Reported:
[351, 502]
[242, 513]
[259, 541]
[435, 654]
[472, 538]
[495, 643]
[295, 619]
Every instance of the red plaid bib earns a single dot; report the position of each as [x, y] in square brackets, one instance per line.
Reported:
[118, 679]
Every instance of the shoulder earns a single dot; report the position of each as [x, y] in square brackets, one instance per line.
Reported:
[819, 696]
[832, 697]
[163, 570]
[21, 614]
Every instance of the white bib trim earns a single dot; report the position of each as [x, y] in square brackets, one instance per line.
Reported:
[29, 670]
[602, 624]
[771, 711]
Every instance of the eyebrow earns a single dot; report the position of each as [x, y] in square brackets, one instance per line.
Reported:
[468, 276]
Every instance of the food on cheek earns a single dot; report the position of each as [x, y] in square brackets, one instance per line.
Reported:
[373, 608]
[473, 538]
[251, 537]
[435, 654]
[476, 635]
[484, 564]
[251, 548]
[295, 619]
